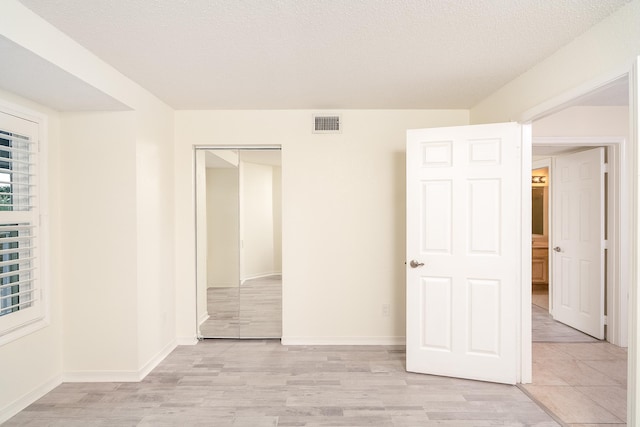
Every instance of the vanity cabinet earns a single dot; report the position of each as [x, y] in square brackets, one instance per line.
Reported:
[540, 266]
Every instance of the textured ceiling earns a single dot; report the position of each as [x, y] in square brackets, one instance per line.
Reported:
[260, 54]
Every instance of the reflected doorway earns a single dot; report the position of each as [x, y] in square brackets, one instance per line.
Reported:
[238, 242]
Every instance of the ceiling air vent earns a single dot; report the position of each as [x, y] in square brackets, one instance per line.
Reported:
[327, 123]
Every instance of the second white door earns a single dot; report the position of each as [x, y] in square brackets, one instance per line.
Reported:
[579, 241]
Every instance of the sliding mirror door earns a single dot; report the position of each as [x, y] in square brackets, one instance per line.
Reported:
[218, 251]
[260, 245]
[239, 250]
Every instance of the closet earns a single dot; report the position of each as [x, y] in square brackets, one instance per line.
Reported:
[239, 243]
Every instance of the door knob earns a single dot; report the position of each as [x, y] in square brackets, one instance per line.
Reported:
[557, 249]
[415, 264]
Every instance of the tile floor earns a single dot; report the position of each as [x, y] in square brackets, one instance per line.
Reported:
[582, 384]
[545, 329]
[580, 380]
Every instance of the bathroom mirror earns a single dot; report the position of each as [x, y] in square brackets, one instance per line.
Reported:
[539, 202]
[537, 211]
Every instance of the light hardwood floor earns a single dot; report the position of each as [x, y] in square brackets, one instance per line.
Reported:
[263, 383]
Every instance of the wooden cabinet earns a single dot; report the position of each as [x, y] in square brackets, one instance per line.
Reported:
[540, 266]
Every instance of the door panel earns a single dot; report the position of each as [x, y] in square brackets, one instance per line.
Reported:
[578, 267]
[463, 223]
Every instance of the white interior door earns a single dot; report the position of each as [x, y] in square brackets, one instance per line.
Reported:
[578, 241]
[463, 225]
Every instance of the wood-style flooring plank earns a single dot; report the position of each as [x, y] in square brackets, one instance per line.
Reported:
[263, 383]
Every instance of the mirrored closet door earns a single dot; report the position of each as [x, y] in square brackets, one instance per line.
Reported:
[239, 248]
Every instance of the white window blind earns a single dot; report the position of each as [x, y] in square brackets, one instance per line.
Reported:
[17, 288]
[20, 294]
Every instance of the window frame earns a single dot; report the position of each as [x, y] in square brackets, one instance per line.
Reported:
[41, 318]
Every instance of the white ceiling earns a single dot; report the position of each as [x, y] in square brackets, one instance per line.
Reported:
[333, 54]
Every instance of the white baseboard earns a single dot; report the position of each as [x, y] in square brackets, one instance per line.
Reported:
[18, 405]
[119, 376]
[260, 276]
[203, 318]
[222, 285]
[343, 341]
[155, 360]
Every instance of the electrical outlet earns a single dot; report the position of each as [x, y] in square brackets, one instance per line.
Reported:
[385, 310]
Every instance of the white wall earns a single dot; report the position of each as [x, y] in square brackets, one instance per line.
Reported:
[32, 365]
[343, 203]
[257, 220]
[585, 121]
[117, 213]
[154, 218]
[98, 205]
[223, 222]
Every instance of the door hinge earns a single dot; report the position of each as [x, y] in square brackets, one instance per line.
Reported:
[605, 244]
[604, 319]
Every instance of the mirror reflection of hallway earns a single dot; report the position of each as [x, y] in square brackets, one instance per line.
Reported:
[239, 246]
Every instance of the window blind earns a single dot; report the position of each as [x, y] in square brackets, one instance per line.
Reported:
[18, 244]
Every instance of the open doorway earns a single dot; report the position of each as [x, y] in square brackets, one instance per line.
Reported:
[575, 255]
[597, 121]
[239, 244]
